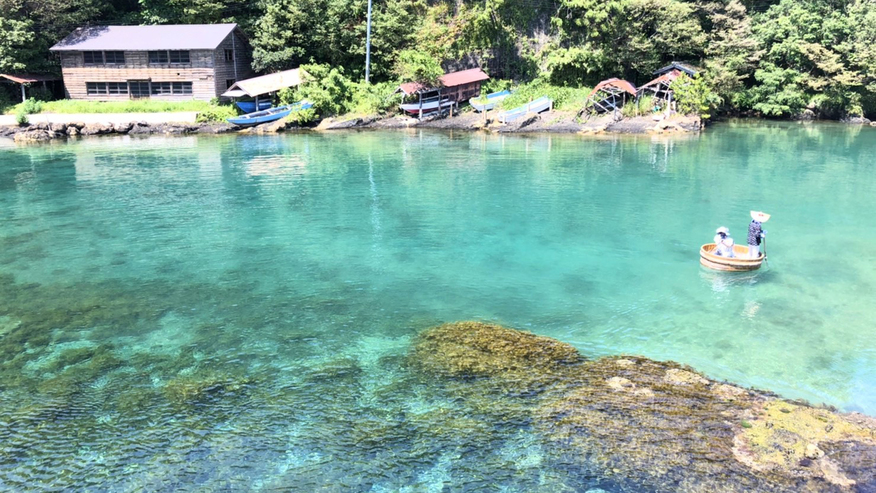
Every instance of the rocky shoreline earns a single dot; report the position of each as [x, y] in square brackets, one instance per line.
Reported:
[554, 122]
[563, 122]
[42, 132]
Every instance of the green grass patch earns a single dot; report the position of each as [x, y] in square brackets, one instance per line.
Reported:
[130, 106]
[565, 98]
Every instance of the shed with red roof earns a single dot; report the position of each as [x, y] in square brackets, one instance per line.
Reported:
[456, 86]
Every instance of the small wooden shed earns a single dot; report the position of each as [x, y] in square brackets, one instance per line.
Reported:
[659, 87]
[27, 79]
[455, 86]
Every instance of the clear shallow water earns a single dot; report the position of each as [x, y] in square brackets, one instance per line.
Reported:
[233, 313]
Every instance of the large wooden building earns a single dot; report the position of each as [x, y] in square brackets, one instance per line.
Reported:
[170, 62]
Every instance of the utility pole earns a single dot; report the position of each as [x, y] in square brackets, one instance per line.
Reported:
[368, 45]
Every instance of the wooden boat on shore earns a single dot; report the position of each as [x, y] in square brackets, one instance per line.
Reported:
[269, 115]
[739, 263]
[490, 102]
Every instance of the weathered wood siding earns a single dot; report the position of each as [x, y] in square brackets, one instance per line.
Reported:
[240, 69]
[462, 92]
[207, 71]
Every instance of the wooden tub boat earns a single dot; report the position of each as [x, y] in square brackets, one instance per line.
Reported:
[739, 263]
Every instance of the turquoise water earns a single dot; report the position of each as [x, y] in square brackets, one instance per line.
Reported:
[228, 313]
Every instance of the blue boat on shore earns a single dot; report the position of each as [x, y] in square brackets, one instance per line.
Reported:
[491, 101]
[250, 106]
[269, 115]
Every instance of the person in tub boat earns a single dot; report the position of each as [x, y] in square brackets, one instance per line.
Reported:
[756, 234]
[724, 242]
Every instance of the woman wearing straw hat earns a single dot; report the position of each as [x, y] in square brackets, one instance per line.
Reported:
[756, 233]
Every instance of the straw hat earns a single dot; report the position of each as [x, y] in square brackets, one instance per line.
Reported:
[760, 217]
[723, 229]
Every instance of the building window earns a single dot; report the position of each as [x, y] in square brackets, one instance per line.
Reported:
[179, 57]
[95, 88]
[182, 87]
[229, 83]
[93, 57]
[229, 55]
[161, 88]
[138, 88]
[117, 87]
[158, 57]
[171, 88]
[114, 57]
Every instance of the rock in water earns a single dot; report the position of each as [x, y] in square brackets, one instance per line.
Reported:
[649, 425]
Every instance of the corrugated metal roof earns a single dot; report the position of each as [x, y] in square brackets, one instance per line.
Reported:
[684, 67]
[265, 83]
[614, 84]
[140, 38]
[448, 80]
[666, 78]
[28, 78]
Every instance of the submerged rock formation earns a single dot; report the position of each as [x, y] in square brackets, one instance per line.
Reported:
[657, 426]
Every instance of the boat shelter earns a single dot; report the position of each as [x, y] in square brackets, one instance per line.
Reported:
[659, 88]
[257, 87]
[609, 95]
[455, 87]
[27, 79]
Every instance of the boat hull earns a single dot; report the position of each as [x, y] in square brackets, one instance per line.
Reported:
[250, 106]
[270, 115]
[541, 104]
[740, 263]
[428, 107]
[491, 102]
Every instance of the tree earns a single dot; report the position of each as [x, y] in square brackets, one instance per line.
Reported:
[694, 95]
[416, 66]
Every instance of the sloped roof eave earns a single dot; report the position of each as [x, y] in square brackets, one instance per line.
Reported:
[143, 38]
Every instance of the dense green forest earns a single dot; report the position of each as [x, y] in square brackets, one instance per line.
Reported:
[764, 57]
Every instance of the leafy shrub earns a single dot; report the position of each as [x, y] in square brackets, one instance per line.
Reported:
[373, 99]
[216, 114]
[303, 117]
[327, 88]
[694, 96]
[21, 118]
[31, 106]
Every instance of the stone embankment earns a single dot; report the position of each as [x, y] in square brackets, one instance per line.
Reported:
[41, 132]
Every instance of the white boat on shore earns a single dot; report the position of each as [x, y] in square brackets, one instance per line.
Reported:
[489, 102]
[427, 105]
